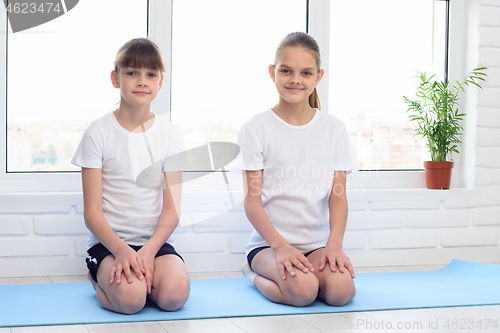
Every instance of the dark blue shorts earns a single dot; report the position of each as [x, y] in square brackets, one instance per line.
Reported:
[254, 252]
[98, 252]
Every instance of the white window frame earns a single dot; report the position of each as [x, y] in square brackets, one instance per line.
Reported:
[160, 14]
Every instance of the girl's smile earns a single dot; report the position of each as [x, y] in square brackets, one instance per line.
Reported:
[293, 89]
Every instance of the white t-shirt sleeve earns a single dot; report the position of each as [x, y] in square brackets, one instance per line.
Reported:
[175, 160]
[345, 155]
[90, 150]
[251, 150]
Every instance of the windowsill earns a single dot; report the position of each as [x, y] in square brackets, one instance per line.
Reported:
[462, 198]
[71, 182]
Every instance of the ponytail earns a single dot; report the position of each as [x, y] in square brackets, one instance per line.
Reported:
[314, 99]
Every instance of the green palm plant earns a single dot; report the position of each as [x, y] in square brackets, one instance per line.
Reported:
[436, 112]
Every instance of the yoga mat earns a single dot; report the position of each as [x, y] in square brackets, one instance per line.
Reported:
[461, 283]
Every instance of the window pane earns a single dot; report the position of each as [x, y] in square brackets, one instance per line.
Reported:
[375, 53]
[58, 78]
[220, 61]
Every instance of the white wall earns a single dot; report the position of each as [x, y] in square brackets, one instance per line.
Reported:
[44, 234]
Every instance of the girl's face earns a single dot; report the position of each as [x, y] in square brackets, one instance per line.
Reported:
[295, 75]
[138, 86]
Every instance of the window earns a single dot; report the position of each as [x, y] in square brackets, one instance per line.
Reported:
[219, 64]
[376, 47]
[216, 44]
[58, 80]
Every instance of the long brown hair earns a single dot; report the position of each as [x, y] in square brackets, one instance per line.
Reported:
[308, 42]
[139, 53]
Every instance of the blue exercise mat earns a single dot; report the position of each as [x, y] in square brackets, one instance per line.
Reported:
[461, 283]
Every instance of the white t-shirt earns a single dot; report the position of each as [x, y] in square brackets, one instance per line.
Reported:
[298, 164]
[131, 209]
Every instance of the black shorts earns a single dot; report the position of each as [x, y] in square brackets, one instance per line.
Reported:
[254, 252]
[98, 252]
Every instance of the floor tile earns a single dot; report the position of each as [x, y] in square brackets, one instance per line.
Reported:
[206, 275]
[8, 281]
[406, 268]
[468, 318]
[137, 327]
[344, 322]
[69, 279]
[272, 324]
[407, 320]
[435, 267]
[233, 274]
[218, 325]
[495, 308]
[25, 280]
[367, 270]
[51, 329]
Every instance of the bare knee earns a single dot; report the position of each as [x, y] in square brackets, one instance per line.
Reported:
[302, 291]
[340, 294]
[172, 294]
[130, 301]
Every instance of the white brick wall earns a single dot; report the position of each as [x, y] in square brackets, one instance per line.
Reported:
[59, 225]
[440, 219]
[486, 216]
[470, 237]
[490, 36]
[488, 137]
[12, 225]
[385, 227]
[488, 116]
[403, 239]
[488, 123]
[43, 234]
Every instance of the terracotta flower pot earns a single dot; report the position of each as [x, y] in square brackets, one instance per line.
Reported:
[438, 174]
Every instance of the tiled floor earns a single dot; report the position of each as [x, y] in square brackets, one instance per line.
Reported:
[458, 319]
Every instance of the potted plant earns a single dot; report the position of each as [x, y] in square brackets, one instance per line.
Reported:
[435, 110]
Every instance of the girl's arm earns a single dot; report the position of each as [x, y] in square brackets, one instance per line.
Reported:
[125, 256]
[287, 255]
[167, 222]
[338, 219]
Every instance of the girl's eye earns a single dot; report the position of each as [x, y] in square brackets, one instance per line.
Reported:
[152, 75]
[307, 73]
[130, 73]
[285, 71]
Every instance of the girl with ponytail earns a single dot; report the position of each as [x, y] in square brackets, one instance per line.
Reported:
[295, 161]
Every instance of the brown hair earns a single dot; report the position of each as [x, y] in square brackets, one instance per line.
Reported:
[301, 39]
[139, 53]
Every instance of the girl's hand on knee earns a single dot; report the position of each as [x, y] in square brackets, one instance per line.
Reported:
[336, 258]
[125, 259]
[288, 256]
[149, 268]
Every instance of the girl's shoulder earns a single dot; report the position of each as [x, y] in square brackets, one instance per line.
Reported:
[256, 123]
[101, 125]
[164, 121]
[260, 118]
[166, 125]
[328, 117]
